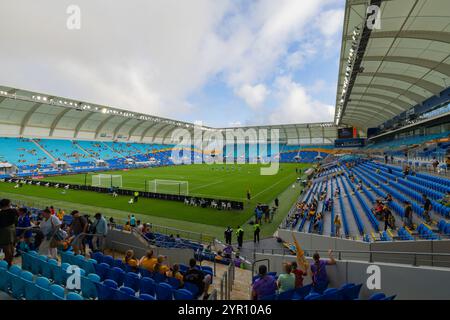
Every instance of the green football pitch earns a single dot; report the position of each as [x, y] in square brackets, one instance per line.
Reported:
[210, 181]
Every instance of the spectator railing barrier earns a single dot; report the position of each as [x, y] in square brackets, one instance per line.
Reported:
[227, 282]
[409, 258]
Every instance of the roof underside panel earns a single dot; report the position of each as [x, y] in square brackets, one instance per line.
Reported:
[405, 62]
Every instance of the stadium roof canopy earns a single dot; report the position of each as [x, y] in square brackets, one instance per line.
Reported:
[31, 114]
[396, 67]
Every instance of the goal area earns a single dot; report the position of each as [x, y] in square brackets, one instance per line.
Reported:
[107, 181]
[168, 187]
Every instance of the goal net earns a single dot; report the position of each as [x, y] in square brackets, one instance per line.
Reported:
[168, 187]
[107, 181]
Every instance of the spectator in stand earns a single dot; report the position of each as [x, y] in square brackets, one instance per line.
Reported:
[8, 220]
[427, 207]
[286, 281]
[130, 261]
[197, 277]
[387, 218]
[139, 226]
[78, 229]
[24, 225]
[445, 201]
[148, 261]
[408, 215]
[228, 251]
[435, 164]
[301, 261]
[112, 223]
[264, 286]
[163, 267]
[49, 226]
[174, 272]
[127, 226]
[100, 230]
[337, 225]
[238, 261]
[60, 214]
[319, 272]
[132, 221]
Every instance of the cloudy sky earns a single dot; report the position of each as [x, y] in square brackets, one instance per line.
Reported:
[222, 62]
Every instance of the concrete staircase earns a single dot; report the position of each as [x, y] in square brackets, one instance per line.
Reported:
[43, 150]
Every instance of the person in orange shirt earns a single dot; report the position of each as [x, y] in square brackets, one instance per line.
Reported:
[148, 261]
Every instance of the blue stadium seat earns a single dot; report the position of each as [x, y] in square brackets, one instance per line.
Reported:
[42, 286]
[74, 296]
[116, 274]
[331, 294]
[132, 281]
[18, 284]
[88, 288]
[146, 297]
[313, 296]
[125, 293]
[57, 292]
[378, 296]
[192, 288]
[106, 290]
[302, 292]
[102, 270]
[98, 256]
[147, 286]
[163, 291]
[174, 282]
[109, 260]
[158, 277]
[182, 294]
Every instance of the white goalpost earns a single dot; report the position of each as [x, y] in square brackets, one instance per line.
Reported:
[107, 181]
[168, 187]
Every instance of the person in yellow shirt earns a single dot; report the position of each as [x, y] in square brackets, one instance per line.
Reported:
[175, 273]
[163, 268]
[60, 214]
[127, 227]
[148, 261]
[130, 260]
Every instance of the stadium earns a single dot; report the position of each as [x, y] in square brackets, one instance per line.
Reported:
[115, 203]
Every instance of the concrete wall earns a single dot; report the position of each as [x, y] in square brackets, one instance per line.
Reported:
[314, 242]
[407, 282]
[121, 241]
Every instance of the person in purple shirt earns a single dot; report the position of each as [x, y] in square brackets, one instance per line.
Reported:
[319, 271]
[264, 286]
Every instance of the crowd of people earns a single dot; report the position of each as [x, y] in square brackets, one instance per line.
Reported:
[293, 275]
[48, 230]
[159, 264]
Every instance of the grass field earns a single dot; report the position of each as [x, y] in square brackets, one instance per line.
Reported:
[216, 181]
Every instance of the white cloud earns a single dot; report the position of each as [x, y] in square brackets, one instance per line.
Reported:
[296, 105]
[330, 22]
[254, 96]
